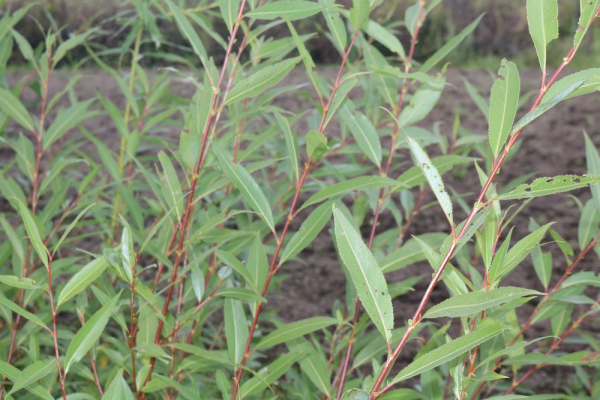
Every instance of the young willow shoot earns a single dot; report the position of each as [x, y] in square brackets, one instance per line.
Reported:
[149, 223]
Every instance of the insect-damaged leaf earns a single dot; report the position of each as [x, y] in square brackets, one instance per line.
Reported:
[366, 275]
[548, 186]
[433, 177]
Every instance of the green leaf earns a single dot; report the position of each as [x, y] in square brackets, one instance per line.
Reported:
[359, 13]
[364, 133]
[314, 365]
[385, 37]
[548, 186]
[517, 253]
[244, 182]
[82, 279]
[542, 264]
[70, 228]
[11, 106]
[66, 120]
[290, 10]
[448, 47]
[475, 302]
[236, 329]
[118, 389]
[366, 275]
[588, 224]
[593, 166]
[148, 324]
[545, 106]
[89, 334]
[197, 282]
[231, 261]
[589, 9]
[291, 142]
[187, 30]
[33, 233]
[360, 183]
[269, 374]
[229, 10]
[421, 103]
[262, 80]
[70, 44]
[410, 252]
[241, 294]
[8, 230]
[414, 176]
[21, 283]
[355, 394]
[316, 144]
[127, 253]
[504, 102]
[335, 24]
[479, 101]
[308, 231]
[411, 17]
[433, 177]
[542, 18]
[294, 330]
[340, 95]
[21, 311]
[591, 83]
[172, 189]
[487, 329]
[32, 374]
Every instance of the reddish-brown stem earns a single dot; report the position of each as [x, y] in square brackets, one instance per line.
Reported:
[537, 309]
[554, 346]
[478, 206]
[388, 164]
[61, 376]
[292, 213]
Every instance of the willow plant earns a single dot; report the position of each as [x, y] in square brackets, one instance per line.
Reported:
[139, 264]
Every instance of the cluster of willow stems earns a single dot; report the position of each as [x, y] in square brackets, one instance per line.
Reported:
[181, 231]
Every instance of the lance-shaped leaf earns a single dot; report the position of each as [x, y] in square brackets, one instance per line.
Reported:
[118, 389]
[447, 352]
[308, 231]
[290, 10]
[504, 102]
[589, 9]
[172, 188]
[262, 80]
[89, 334]
[359, 13]
[366, 275]
[229, 10]
[433, 177]
[364, 133]
[314, 365]
[12, 107]
[593, 166]
[268, 375]
[421, 104]
[588, 224]
[547, 105]
[82, 280]
[291, 142]
[475, 302]
[21, 311]
[236, 329]
[244, 182]
[591, 84]
[448, 47]
[295, 330]
[411, 252]
[67, 119]
[360, 183]
[542, 18]
[188, 31]
[32, 374]
[335, 24]
[33, 233]
[385, 37]
[548, 186]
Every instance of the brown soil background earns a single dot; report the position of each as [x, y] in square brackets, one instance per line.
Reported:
[553, 145]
